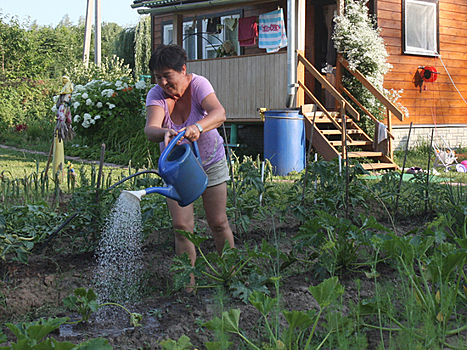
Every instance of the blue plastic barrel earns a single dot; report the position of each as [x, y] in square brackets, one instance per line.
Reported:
[284, 140]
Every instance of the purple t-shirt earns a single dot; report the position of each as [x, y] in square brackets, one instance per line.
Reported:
[210, 143]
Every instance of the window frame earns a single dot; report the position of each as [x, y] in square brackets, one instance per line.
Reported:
[200, 42]
[412, 50]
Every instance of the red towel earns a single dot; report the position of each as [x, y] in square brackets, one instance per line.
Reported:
[247, 31]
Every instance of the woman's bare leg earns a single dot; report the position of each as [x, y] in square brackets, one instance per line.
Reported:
[183, 219]
[215, 203]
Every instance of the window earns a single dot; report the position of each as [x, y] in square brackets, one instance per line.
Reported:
[421, 27]
[199, 44]
[211, 42]
[189, 38]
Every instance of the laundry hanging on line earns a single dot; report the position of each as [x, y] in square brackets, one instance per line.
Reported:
[214, 25]
[247, 31]
[272, 36]
[230, 23]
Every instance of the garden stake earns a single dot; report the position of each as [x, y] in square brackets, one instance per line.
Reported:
[310, 144]
[344, 138]
[99, 176]
[402, 172]
[428, 171]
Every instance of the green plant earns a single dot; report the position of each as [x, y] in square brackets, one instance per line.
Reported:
[85, 302]
[301, 325]
[30, 337]
[435, 276]
[336, 241]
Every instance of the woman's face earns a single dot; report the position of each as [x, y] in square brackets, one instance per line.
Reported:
[171, 81]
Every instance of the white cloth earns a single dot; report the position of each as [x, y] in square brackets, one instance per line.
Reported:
[382, 132]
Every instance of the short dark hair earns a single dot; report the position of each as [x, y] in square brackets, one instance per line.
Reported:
[168, 56]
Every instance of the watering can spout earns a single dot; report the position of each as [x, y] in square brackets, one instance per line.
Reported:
[135, 194]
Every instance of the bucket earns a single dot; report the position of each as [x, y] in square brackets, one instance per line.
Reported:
[284, 140]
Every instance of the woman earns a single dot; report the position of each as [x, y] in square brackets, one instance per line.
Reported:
[182, 101]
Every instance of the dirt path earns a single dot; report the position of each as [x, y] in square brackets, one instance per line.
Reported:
[75, 159]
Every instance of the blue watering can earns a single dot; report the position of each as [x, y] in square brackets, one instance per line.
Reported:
[180, 168]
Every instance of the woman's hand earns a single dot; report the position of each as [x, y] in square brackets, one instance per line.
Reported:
[169, 135]
[192, 132]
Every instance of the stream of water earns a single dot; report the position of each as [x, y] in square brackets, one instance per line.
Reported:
[119, 256]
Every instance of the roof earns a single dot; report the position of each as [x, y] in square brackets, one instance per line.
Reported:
[181, 6]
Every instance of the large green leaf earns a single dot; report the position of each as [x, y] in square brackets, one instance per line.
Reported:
[299, 319]
[229, 322]
[183, 343]
[327, 291]
[94, 344]
[262, 302]
[52, 344]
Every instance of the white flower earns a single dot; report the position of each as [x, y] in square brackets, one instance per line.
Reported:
[55, 98]
[89, 102]
[97, 117]
[87, 117]
[107, 92]
[99, 104]
[54, 109]
[77, 118]
[111, 105]
[78, 88]
[85, 95]
[92, 121]
[118, 83]
[76, 104]
[86, 124]
[140, 85]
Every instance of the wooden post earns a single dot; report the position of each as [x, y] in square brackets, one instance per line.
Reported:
[177, 37]
[391, 150]
[98, 36]
[87, 32]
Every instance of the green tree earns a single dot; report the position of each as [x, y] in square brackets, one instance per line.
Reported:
[142, 46]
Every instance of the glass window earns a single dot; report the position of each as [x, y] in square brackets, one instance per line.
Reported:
[212, 42]
[189, 38]
[421, 27]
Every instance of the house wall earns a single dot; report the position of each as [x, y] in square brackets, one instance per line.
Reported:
[439, 103]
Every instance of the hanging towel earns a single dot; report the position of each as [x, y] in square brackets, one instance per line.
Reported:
[230, 23]
[381, 141]
[214, 25]
[272, 35]
[247, 31]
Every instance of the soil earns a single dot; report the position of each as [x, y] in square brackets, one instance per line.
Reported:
[37, 289]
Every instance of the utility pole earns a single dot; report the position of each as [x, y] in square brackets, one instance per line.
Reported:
[98, 38]
[87, 32]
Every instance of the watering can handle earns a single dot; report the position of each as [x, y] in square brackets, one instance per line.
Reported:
[177, 138]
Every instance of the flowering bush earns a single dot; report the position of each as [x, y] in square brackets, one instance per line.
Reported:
[110, 112]
[358, 39]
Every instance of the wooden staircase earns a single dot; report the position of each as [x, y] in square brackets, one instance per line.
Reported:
[337, 133]
[329, 143]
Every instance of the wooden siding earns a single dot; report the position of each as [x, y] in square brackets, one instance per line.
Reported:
[438, 102]
[245, 83]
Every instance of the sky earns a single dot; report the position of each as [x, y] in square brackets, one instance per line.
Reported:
[51, 12]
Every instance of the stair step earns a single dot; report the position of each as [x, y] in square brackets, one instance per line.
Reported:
[379, 166]
[365, 154]
[320, 115]
[338, 132]
[352, 143]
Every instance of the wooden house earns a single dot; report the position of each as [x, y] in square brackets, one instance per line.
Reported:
[418, 34]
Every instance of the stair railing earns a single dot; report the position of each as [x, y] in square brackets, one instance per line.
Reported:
[390, 107]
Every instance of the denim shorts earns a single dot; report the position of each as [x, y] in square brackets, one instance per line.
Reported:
[218, 173]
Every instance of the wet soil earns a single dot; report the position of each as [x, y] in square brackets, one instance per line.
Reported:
[37, 289]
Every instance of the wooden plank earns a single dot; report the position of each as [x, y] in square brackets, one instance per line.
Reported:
[388, 104]
[328, 86]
